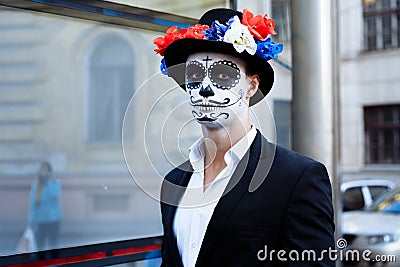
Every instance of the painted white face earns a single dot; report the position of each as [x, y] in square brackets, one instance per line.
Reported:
[217, 85]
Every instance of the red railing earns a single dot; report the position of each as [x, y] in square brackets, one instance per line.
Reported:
[90, 255]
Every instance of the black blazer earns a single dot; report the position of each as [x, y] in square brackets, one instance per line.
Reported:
[276, 200]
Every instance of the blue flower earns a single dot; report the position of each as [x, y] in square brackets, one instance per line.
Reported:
[268, 49]
[163, 67]
[217, 30]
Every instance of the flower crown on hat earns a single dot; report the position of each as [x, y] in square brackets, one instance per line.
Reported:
[250, 34]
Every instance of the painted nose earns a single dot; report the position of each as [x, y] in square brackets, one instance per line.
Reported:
[206, 92]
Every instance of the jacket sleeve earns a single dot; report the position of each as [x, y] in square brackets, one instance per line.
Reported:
[309, 222]
[163, 259]
[163, 244]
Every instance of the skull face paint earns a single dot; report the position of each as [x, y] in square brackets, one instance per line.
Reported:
[223, 74]
[217, 86]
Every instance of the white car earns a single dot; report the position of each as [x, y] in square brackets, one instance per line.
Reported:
[376, 229]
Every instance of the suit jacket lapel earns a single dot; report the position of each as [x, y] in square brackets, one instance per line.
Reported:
[236, 188]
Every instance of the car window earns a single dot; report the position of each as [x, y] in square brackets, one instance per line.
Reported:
[388, 203]
[353, 199]
[378, 190]
[392, 208]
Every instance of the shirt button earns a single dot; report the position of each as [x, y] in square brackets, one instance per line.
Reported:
[193, 245]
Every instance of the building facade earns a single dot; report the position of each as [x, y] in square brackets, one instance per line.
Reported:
[370, 99]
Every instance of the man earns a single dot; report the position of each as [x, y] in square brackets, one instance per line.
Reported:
[239, 199]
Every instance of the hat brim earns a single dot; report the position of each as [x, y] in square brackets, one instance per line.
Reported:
[177, 53]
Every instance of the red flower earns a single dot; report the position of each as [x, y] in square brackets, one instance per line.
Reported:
[162, 43]
[260, 27]
[196, 31]
[173, 34]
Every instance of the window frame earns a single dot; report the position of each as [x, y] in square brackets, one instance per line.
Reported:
[380, 126]
[377, 12]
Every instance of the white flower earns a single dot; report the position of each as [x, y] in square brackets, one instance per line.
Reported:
[241, 38]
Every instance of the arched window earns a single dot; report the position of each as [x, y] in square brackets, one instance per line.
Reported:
[110, 89]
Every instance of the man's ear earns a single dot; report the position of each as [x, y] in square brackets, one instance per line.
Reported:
[254, 82]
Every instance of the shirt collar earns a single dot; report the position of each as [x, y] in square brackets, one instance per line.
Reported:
[196, 155]
[236, 152]
[241, 146]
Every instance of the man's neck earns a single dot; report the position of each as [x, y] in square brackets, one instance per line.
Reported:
[218, 141]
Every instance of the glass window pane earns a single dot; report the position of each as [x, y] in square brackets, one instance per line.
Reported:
[398, 29]
[374, 137]
[388, 139]
[77, 77]
[397, 111]
[101, 108]
[382, 140]
[396, 147]
[371, 32]
[386, 4]
[374, 154]
[353, 199]
[371, 116]
[388, 115]
[369, 5]
[111, 85]
[387, 30]
[376, 191]
[397, 115]
[280, 13]
[372, 146]
[371, 43]
[110, 203]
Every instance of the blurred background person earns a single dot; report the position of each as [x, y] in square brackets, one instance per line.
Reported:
[45, 211]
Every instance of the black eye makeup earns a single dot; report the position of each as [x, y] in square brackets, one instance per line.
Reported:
[224, 74]
[195, 74]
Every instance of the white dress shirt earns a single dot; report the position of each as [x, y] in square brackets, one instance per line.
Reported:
[197, 206]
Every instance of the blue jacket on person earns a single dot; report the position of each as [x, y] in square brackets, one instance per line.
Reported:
[47, 209]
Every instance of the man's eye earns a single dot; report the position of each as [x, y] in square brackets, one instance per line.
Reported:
[195, 76]
[223, 76]
[195, 72]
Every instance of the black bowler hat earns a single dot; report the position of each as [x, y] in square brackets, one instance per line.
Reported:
[178, 51]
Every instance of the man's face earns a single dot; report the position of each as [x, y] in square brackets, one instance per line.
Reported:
[217, 87]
